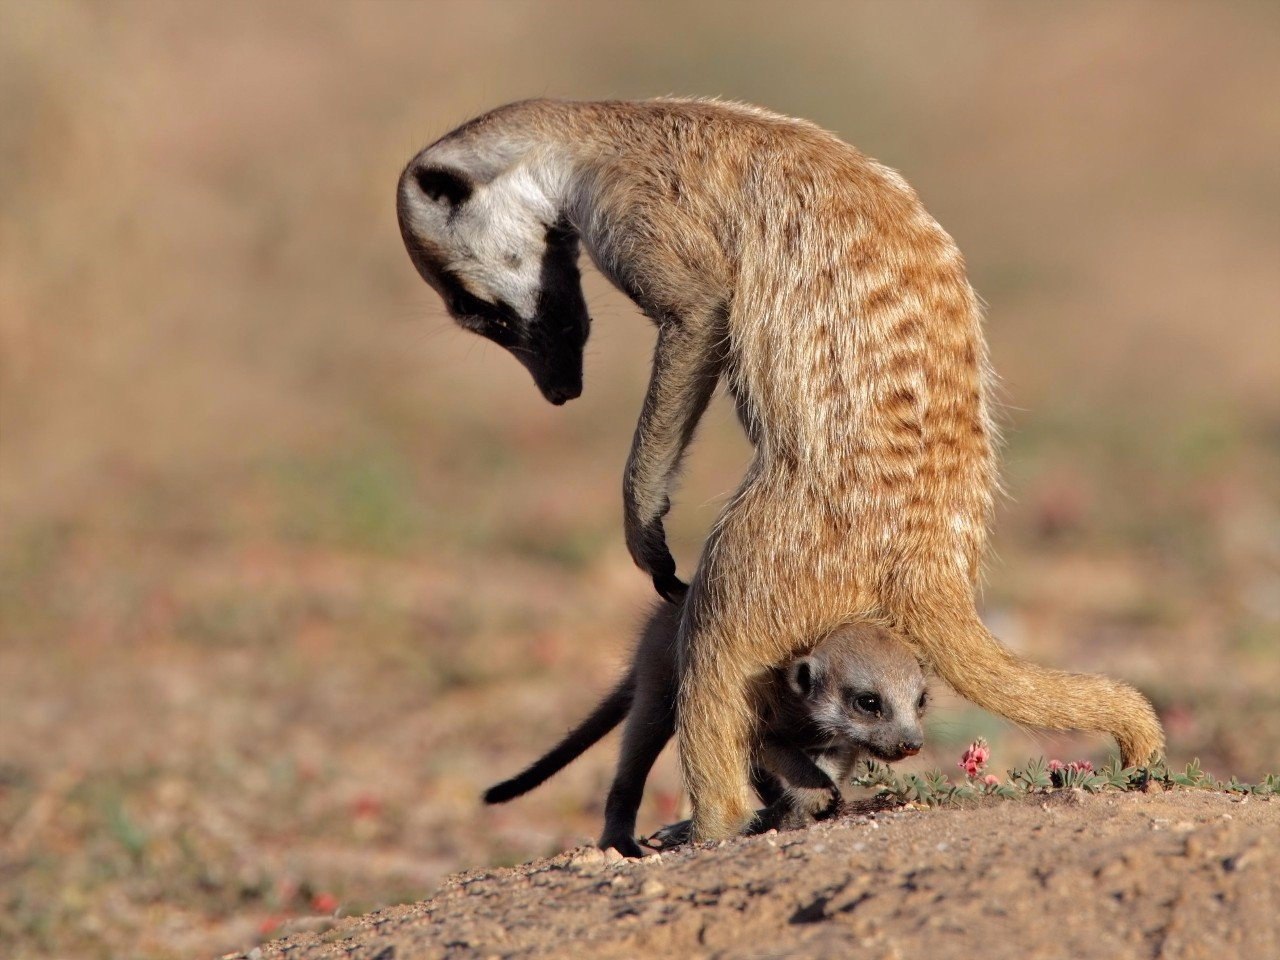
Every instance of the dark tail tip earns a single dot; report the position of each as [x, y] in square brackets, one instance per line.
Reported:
[506, 790]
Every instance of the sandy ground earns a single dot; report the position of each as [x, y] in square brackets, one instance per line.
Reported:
[1181, 874]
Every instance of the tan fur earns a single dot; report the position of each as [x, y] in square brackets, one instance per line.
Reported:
[812, 281]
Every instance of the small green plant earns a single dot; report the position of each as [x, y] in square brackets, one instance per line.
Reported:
[1038, 776]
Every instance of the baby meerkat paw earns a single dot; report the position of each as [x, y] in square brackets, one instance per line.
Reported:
[626, 846]
[834, 801]
[672, 835]
[816, 803]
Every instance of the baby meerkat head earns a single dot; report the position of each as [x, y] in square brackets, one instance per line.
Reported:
[863, 685]
[485, 229]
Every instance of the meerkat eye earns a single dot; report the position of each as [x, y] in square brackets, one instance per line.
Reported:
[923, 702]
[867, 703]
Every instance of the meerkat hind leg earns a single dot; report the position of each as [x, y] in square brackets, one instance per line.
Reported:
[716, 727]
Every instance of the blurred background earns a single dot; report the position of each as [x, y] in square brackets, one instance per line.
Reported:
[291, 568]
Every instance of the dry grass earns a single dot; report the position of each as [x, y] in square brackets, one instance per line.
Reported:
[290, 569]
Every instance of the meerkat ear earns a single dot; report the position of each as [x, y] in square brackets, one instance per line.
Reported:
[441, 184]
[803, 676]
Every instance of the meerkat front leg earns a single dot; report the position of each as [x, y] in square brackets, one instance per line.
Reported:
[686, 367]
[810, 792]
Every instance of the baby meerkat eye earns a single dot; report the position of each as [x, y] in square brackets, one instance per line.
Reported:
[923, 702]
[867, 703]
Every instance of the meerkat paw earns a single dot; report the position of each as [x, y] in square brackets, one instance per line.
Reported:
[670, 588]
[625, 845]
[670, 836]
[807, 805]
[834, 801]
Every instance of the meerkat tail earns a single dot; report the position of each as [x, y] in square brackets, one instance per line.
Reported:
[608, 714]
[980, 669]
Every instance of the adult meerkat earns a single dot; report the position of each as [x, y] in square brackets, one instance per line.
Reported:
[859, 694]
[810, 279]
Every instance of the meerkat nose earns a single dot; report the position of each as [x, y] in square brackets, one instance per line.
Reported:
[909, 748]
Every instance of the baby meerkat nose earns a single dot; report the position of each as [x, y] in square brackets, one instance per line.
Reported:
[909, 748]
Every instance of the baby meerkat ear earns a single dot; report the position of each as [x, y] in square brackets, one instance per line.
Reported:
[803, 676]
[439, 184]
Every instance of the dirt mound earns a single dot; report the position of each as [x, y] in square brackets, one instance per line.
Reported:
[1178, 874]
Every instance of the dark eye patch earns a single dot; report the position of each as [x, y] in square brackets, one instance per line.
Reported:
[494, 321]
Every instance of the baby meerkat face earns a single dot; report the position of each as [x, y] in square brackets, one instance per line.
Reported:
[504, 260]
[862, 686]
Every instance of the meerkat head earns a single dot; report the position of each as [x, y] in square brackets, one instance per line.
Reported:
[864, 686]
[486, 230]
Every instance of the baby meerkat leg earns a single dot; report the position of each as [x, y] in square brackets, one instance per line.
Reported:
[767, 786]
[810, 795]
[649, 727]
[686, 367]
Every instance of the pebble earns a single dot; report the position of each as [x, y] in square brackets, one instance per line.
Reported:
[590, 855]
[613, 856]
[652, 888]
[1241, 860]
[588, 860]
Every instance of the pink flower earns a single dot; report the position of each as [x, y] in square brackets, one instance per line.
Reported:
[991, 780]
[270, 924]
[1056, 765]
[1080, 766]
[975, 758]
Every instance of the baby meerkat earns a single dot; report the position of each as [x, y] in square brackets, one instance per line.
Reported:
[811, 280]
[859, 694]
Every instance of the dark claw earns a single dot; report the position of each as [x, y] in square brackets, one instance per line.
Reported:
[654, 557]
[672, 835]
[670, 587]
